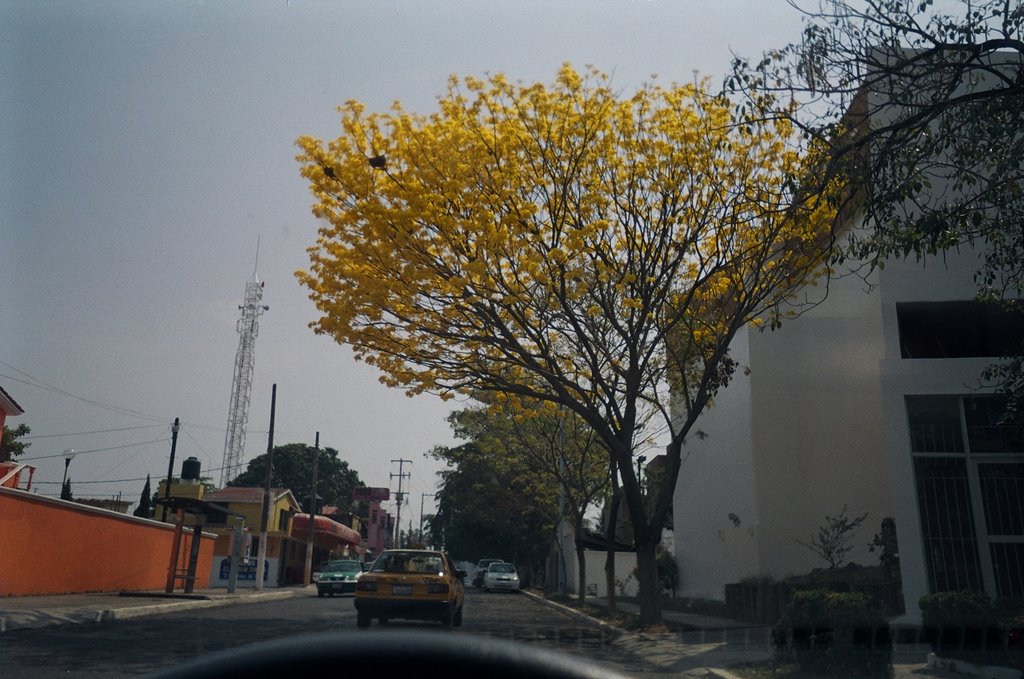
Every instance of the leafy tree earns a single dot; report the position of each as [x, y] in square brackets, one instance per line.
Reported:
[547, 243]
[485, 509]
[10, 446]
[145, 508]
[921, 107]
[548, 450]
[293, 469]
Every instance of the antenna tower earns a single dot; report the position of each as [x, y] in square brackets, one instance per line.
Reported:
[248, 327]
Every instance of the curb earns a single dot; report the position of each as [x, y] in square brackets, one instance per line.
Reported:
[38, 619]
[706, 672]
[573, 611]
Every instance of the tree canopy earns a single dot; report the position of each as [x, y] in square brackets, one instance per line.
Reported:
[921, 106]
[293, 469]
[539, 455]
[560, 243]
[10, 446]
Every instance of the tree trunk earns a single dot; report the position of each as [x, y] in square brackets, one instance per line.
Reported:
[581, 562]
[647, 578]
[609, 563]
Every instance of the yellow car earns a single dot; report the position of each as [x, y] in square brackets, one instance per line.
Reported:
[413, 584]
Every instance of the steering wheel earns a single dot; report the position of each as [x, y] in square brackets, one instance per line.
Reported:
[389, 653]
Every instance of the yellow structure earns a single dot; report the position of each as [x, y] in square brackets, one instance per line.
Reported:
[285, 555]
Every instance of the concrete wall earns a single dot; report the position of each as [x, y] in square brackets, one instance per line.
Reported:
[818, 426]
[711, 548]
[51, 546]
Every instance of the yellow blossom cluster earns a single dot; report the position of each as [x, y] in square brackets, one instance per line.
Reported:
[552, 238]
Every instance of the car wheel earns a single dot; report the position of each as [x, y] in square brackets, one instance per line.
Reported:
[457, 622]
[382, 621]
[331, 594]
[320, 594]
[362, 620]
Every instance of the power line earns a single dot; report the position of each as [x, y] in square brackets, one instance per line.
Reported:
[94, 450]
[39, 384]
[96, 431]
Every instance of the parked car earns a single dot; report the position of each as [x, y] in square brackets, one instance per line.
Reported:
[339, 577]
[501, 577]
[481, 568]
[414, 584]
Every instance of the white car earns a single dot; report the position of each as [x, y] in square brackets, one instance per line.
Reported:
[501, 577]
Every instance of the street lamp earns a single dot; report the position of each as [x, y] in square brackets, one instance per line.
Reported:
[69, 454]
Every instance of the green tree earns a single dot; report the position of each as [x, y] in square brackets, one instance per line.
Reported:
[293, 469]
[65, 490]
[10, 446]
[546, 446]
[145, 508]
[488, 508]
[545, 241]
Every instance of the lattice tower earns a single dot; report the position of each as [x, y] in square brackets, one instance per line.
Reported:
[248, 327]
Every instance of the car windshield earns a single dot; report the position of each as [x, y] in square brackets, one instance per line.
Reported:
[706, 315]
[343, 567]
[408, 562]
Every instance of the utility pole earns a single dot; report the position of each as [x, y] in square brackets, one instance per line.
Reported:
[399, 495]
[307, 578]
[170, 465]
[261, 552]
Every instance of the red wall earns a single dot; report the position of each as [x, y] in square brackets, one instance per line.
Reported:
[50, 546]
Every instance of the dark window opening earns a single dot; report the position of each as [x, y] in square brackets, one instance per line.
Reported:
[1002, 496]
[935, 424]
[947, 526]
[958, 330]
[991, 427]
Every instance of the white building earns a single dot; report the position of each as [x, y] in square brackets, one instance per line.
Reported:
[871, 401]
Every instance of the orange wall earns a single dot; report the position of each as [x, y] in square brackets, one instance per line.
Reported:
[50, 546]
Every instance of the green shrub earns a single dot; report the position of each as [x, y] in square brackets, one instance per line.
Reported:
[835, 633]
[970, 626]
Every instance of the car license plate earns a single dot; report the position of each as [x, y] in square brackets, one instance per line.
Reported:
[402, 590]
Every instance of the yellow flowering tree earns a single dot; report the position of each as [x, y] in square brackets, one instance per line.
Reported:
[565, 244]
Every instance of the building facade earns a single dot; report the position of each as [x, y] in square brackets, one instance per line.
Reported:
[871, 402]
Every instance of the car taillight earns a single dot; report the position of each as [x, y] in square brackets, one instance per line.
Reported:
[366, 586]
[437, 588]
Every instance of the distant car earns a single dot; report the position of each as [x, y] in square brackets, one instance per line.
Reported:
[339, 577]
[413, 584]
[501, 577]
[481, 568]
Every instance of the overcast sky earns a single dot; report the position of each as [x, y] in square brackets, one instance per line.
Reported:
[146, 146]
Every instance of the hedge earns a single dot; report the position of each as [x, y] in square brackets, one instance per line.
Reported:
[835, 633]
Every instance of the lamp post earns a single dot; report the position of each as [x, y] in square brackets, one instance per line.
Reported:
[69, 454]
[170, 465]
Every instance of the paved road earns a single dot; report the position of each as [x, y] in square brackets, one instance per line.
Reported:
[141, 645]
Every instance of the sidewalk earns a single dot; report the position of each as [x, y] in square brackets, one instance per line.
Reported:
[30, 612]
[729, 643]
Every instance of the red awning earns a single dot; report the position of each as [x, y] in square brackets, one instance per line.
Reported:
[324, 526]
